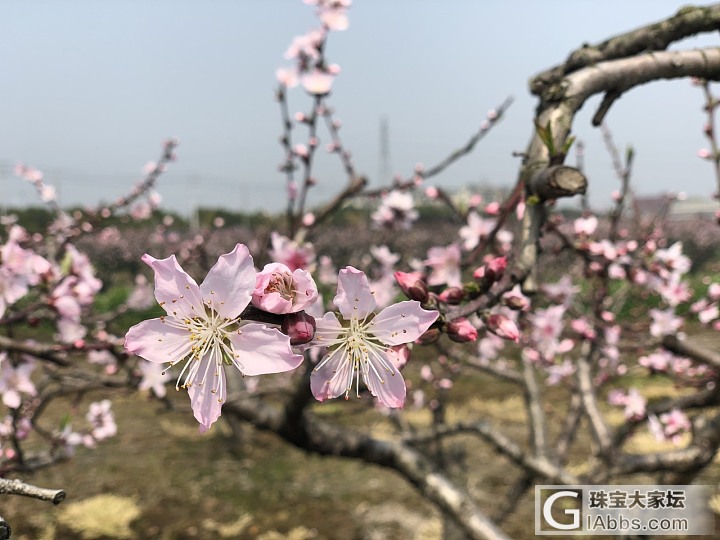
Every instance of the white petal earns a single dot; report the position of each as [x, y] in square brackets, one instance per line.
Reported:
[158, 341]
[263, 350]
[207, 398]
[354, 297]
[401, 323]
[332, 377]
[389, 388]
[327, 330]
[176, 292]
[230, 283]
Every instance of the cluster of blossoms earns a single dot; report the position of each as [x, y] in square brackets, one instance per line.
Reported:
[310, 68]
[216, 324]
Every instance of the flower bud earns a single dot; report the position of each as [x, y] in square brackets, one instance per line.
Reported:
[413, 285]
[430, 336]
[492, 271]
[503, 327]
[299, 327]
[461, 330]
[452, 296]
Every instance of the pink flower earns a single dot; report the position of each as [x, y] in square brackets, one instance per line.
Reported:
[585, 226]
[664, 322]
[203, 328]
[317, 82]
[278, 290]
[675, 423]
[102, 420]
[397, 209]
[635, 405]
[14, 380]
[477, 227]
[292, 254]
[362, 345]
[445, 262]
[657, 361]
[154, 378]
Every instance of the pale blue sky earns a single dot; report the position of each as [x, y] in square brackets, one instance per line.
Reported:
[91, 88]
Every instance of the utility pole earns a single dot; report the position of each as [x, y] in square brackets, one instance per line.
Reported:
[384, 164]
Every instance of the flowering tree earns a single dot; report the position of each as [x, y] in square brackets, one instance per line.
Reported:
[523, 295]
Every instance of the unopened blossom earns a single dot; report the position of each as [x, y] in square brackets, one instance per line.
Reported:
[359, 342]
[299, 327]
[288, 77]
[413, 285]
[503, 326]
[204, 331]
[461, 330]
[280, 290]
[515, 299]
[491, 271]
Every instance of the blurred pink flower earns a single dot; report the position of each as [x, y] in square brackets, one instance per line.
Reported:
[15, 380]
[154, 377]
[292, 254]
[102, 420]
[445, 264]
[585, 226]
[477, 227]
[317, 82]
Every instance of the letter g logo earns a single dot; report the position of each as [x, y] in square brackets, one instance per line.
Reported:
[547, 514]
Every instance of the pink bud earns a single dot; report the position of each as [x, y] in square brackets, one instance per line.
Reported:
[299, 327]
[413, 285]
[452, 295]
[461, 330]
[492, 271]
[704, 153]
[493, 208]
[430, 336]
[503, 327]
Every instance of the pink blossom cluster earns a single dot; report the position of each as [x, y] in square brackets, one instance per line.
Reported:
[310, 68]
[210, 326]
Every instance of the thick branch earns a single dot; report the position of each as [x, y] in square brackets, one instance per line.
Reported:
[683, 348]
[688, 21]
